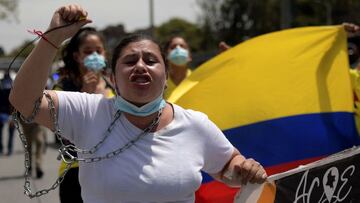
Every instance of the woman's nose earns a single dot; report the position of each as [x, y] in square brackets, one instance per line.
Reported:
[140, 66]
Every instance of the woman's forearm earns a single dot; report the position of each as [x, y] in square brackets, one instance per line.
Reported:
[31, 79]
[240, 170]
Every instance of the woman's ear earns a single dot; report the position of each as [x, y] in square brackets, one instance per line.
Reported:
[113, 81]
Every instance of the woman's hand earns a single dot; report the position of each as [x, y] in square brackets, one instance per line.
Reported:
[90, 82]
[93, 83]
[351, 29]
[242, 170]
[71, 14]
[223, 46]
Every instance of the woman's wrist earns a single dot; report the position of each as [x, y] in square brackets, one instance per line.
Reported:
[227, 176]
[53, 38]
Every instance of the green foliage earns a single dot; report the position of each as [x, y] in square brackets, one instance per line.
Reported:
[236, 20]
[179, 27]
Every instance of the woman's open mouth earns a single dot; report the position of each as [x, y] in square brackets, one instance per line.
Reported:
[140, 79]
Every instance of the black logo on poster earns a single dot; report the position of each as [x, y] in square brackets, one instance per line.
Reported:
[338, 182]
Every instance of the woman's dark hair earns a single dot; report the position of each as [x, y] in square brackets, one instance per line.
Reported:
[167, 43]
[71, 66]
[130, 39]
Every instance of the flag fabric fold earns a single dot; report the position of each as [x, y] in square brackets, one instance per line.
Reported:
[282, 98]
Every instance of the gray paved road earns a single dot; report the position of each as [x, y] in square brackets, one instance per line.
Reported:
[12, 170]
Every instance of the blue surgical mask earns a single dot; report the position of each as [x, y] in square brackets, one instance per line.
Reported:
[178, 56]
[145, 110]
[94, 62]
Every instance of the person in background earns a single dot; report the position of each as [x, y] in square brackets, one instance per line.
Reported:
[354, 51]
[5, 112]
[178, 57]
[84, 64]
[149, 150]
[35, 135]
[353, 34]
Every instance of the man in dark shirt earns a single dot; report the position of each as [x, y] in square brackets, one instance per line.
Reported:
[5, 111]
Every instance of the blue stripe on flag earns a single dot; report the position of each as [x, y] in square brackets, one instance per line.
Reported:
[294, 138]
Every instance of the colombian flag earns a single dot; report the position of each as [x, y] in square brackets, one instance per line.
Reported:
[283, 98]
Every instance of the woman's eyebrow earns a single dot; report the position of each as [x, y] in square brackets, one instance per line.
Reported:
[129, 56]
[149, 53]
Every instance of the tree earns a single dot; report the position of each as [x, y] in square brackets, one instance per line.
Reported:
[112, 35]
[176, 26]
[8, 8]
[236, 20]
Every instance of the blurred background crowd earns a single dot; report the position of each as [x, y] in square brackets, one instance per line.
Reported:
[217, 21]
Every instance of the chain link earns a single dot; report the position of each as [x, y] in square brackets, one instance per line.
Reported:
[65, 150]
[27, 163]
[35, 111]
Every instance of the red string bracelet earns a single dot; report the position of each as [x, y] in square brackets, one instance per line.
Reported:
[41, 34]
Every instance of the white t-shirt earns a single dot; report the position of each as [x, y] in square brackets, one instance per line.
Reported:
[163, 166]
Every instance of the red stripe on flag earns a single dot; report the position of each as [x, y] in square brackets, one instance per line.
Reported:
[215, 192]
[290, 165]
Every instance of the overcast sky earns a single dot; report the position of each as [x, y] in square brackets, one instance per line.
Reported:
[36, 14]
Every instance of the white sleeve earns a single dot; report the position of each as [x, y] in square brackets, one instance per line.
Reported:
[74, 113]
[218, 150]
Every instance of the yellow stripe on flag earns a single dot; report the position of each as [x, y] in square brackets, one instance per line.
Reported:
[286, 73]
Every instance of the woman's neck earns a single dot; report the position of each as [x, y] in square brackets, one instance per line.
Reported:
[144, 122]
[177, 73]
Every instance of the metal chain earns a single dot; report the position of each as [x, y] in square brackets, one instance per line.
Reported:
[64, 150]
[97, 146]
[126, 146]
[27, 163]
[31, 118]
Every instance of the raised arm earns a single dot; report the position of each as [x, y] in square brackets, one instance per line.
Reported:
[31, 79]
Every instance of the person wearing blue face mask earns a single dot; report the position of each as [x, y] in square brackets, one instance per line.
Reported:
[135, 147]
[179, 57]
[84, 62]
[95, 62]
[353, 35]
[84, 59]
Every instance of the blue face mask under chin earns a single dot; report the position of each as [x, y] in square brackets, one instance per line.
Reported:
[95, 62]
[145, 110]
[178, 56]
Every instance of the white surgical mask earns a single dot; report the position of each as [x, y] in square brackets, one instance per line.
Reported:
[145, 110]
[178, 56]
[95, 62]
